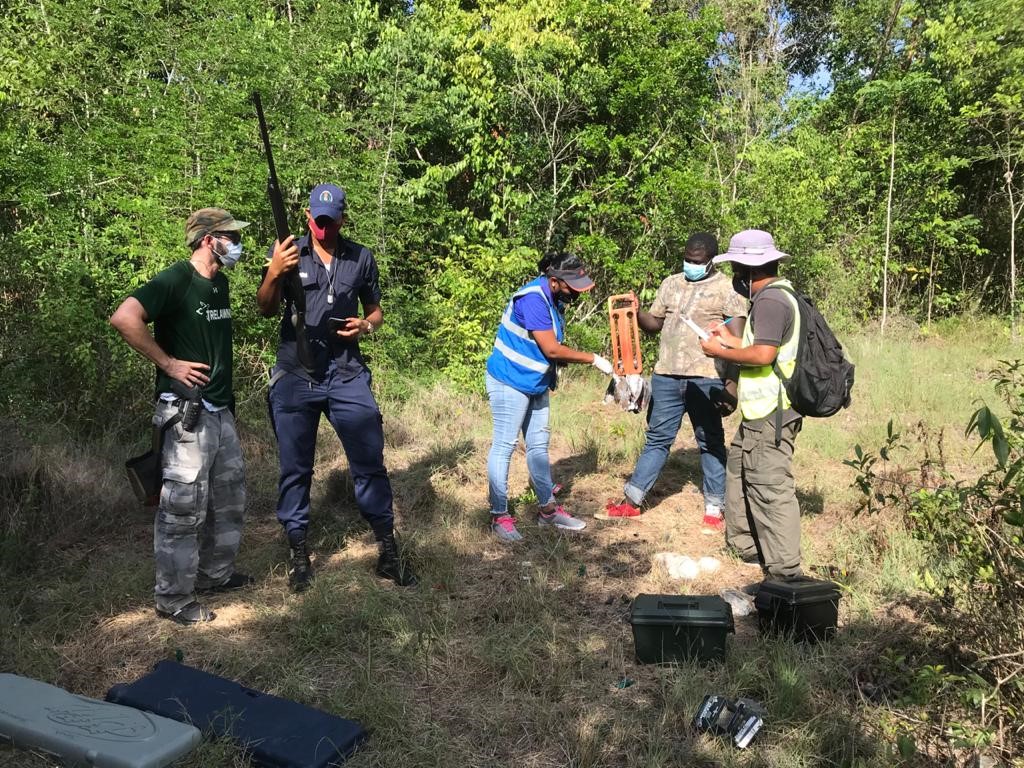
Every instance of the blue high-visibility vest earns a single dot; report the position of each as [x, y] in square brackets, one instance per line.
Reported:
[516, 359]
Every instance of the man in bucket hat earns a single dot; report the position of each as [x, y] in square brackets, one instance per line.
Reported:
[762, 516]
[199, 519]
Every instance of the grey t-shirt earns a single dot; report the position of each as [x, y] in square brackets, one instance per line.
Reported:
[771, 321]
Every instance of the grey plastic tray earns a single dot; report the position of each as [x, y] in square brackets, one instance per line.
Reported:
[83, 731]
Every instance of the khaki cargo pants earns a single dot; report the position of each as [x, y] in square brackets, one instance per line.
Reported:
[762, 516]
[199, 520]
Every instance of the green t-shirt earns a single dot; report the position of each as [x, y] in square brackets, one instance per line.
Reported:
[191, 318]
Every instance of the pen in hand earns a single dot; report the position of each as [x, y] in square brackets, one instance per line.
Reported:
[719, 325]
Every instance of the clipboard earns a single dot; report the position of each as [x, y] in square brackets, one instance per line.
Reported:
[704, 335]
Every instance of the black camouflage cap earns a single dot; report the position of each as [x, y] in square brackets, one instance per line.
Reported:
[205, 221]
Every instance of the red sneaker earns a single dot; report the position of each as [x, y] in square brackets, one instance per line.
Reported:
[713, 523]
[625, 509]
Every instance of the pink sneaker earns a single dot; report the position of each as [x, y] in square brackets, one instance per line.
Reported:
[560, 519]
[504, 527]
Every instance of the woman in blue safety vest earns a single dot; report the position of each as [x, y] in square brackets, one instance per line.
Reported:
[520, 372]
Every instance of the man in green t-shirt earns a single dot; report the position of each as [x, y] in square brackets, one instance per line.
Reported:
[199, 519]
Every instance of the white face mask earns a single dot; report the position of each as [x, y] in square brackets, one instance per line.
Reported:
[230, 257]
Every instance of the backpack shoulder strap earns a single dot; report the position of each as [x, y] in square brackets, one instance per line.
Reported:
[785, 289]
[781, 287]
[775, 363]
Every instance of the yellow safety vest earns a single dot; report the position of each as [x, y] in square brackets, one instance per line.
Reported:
[759, 390]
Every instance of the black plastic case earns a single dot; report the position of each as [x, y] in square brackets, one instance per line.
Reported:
[668, 628]
[806, 608]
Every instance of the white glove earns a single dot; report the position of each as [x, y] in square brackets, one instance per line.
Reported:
[602, 365]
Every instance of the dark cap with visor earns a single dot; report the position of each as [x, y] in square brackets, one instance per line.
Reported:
[573, 273]
[326, 200]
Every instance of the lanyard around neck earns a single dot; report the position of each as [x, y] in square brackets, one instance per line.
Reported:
[331, 270]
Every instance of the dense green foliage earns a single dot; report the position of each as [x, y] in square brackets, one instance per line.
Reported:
[973, 531]
[877, 140]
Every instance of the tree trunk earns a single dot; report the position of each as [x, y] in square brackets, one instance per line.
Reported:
[888, 223]
[382, 191]
[1014, 213]
[931, 288]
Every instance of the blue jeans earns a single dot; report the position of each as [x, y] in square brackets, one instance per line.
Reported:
[513, 411]
[295, 409]
[671, 397]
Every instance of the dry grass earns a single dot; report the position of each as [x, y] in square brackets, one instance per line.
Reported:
[504, 655]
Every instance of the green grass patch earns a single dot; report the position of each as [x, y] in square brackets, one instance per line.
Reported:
[509, 655]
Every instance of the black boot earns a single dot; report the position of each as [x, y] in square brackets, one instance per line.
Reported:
[300, 570]
[391, 564]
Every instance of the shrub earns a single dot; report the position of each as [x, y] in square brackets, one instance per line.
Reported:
[974, 530]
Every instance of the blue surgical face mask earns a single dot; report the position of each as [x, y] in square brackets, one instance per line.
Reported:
[694, 272]
[230, 257]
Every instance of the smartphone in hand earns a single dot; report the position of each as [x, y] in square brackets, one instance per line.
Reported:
[335, 324]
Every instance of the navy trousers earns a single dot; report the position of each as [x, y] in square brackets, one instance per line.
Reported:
[295, 408]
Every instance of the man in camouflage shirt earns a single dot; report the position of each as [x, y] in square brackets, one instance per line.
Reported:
[685, 380]
[198, 525]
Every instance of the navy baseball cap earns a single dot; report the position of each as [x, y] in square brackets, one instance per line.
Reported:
[326, 200]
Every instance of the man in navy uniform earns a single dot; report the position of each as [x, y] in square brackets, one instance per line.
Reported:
[337, 275]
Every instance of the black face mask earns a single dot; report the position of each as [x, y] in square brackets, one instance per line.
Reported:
[566, 296]
[741, 284]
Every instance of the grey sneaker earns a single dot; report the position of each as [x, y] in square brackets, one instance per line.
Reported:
[504, 527]
[559, 518]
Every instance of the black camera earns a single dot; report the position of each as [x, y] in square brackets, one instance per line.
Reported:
[738, 719]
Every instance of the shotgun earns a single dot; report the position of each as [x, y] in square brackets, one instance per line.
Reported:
[294, 295]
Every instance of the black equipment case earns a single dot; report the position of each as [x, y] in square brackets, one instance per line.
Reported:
[669, 628]
[806, 608]
[275, 732]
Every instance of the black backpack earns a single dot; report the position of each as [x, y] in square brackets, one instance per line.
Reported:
[823, 377]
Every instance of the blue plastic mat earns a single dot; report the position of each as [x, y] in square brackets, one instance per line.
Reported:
[275, 732]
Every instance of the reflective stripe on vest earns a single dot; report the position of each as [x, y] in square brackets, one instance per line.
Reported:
[517, 359]
[759, 388]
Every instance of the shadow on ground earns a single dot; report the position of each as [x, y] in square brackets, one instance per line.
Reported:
[567, 469]
[502, 656]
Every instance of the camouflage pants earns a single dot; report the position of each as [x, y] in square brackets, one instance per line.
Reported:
[198, 525]
[762, 516]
